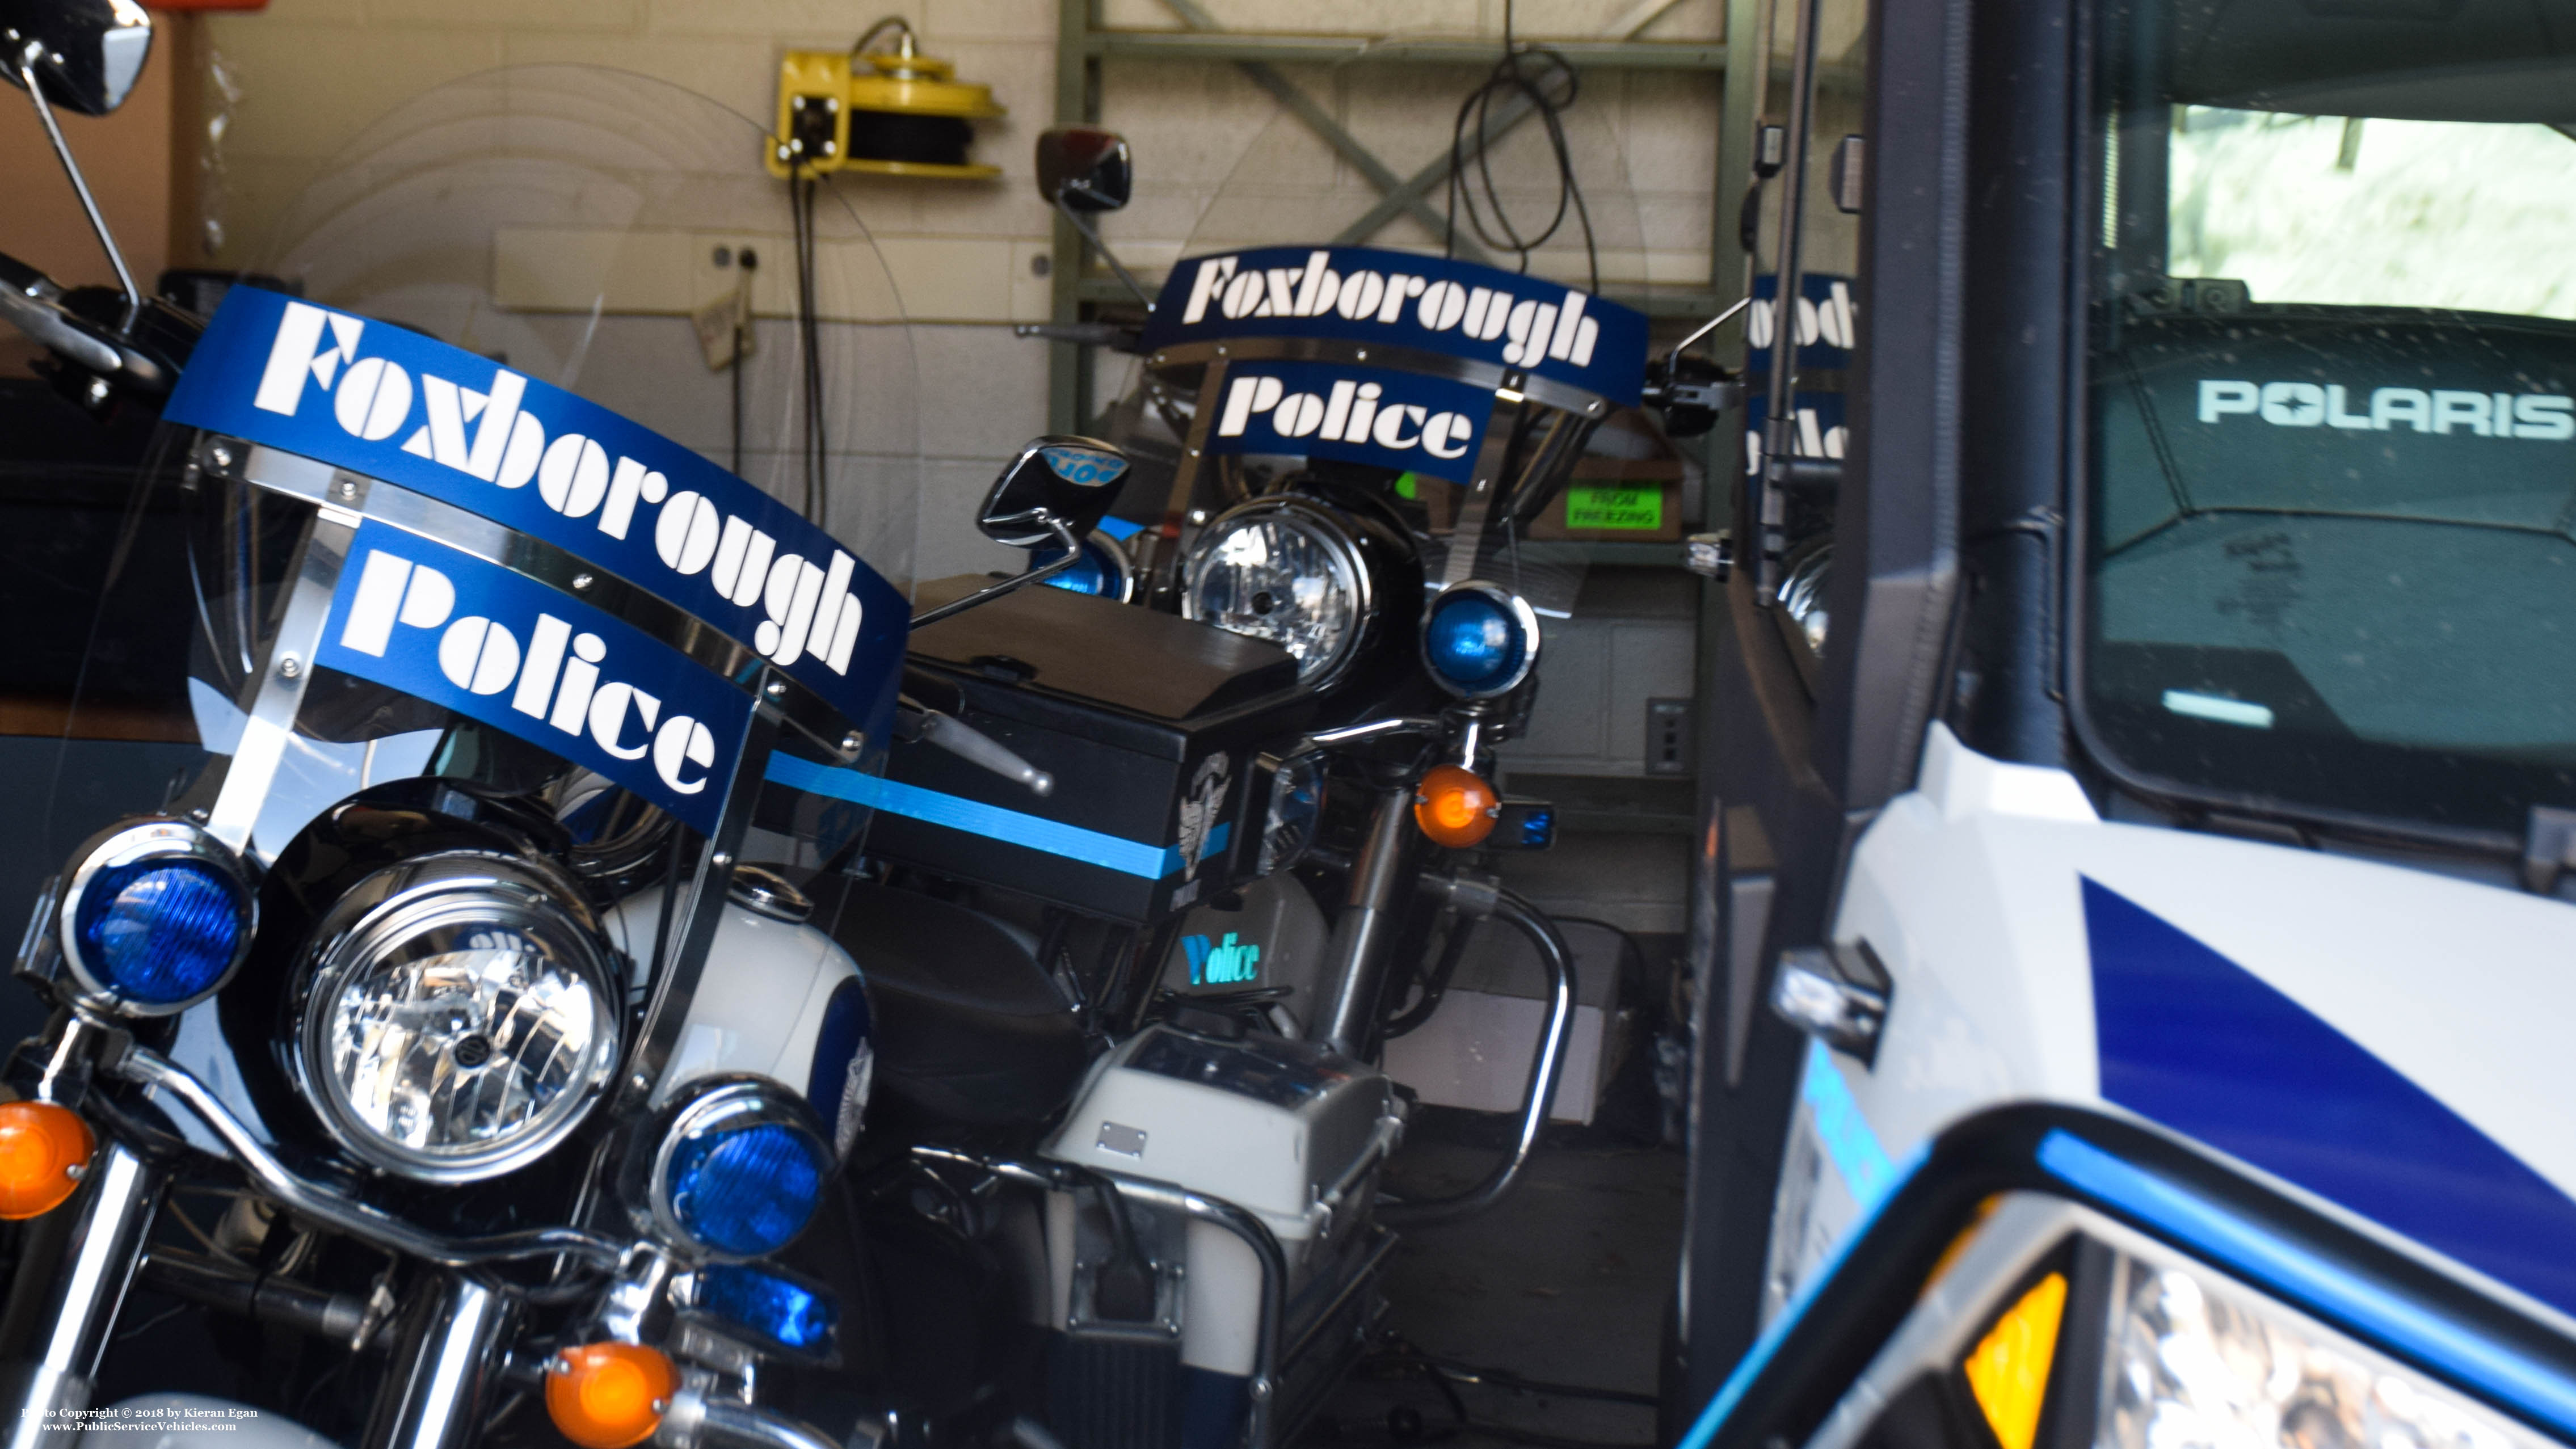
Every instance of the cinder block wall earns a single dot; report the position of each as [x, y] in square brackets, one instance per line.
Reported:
[312, 74]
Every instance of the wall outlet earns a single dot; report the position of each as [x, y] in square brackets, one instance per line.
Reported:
[1668, 737]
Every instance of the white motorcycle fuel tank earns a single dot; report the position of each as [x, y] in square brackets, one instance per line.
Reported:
[779, 998]
[2388, 1039]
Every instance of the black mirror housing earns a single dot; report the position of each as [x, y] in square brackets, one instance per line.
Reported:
[1059, 478]
[87, 54]
[1084, 168]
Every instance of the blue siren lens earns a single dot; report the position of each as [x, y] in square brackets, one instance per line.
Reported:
[779, 1309]
[747, 1191]
[160, 931]
[1474, 642]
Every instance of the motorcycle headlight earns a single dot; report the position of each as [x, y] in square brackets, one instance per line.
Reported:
[1479, 639]
[459, 1018]
[741, 1171]
[157, 915]
[1284, 570]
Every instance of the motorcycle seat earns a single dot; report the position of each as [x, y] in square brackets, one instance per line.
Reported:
[969, 1028]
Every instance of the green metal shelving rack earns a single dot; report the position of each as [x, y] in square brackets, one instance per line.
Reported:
[1083, 43]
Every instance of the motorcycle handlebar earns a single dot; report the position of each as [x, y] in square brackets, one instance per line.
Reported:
[144, 1067]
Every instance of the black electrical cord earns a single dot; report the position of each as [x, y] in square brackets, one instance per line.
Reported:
[1506, 1379]
[1628, 943]
[1512, 77]
[1436, 984]
[816, 448]
[748, 261]
[1446, 1375]
[868, 36]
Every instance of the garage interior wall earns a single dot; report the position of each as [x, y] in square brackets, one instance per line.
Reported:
[311, 74]
[1218, 162]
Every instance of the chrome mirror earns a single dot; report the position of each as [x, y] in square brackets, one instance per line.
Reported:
[1084, 168]
[1051, 497]
[1057, 481]
[86, 54]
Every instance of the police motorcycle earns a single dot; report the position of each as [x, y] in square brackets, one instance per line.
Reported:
[2134, 887]
[1254, 715]
[449, 1053]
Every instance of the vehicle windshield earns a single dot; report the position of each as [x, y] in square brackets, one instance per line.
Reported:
[457, 492]
[2331, 516]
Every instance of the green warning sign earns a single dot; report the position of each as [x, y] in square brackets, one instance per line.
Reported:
[1595, 505]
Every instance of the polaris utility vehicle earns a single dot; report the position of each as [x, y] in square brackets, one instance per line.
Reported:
[2133, 924]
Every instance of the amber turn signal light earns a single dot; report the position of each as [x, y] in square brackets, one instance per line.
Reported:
[44, 1148]
[609, 1395]
[1455, 807]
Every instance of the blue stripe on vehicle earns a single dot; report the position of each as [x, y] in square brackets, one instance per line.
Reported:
[2328, 1288]
[1749, 1367]
[2197, 1042]
[1845, 1130]
[1866, 1169]
[974, 817]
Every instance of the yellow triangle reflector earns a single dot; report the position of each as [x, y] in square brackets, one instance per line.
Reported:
[2008, 1372]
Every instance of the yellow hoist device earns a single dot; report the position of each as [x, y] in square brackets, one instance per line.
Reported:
[893, 112]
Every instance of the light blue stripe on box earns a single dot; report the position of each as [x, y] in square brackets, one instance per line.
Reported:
[1073, 842]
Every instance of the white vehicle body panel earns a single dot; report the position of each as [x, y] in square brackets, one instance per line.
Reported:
[1969, 890]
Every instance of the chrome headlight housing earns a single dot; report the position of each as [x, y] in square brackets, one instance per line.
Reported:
[2196, 1359]
[1479, 639]
[458, 1017]
[1286, 570]
[740, 1170]
[1802, 594]
[155, 917]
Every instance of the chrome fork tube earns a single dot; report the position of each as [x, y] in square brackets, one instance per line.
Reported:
[56, 1324]
[446, 1360]
[1381, 884]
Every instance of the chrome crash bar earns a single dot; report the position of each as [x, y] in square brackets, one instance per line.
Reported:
[1167, 1197]
[167, 1080]
[1479, 896]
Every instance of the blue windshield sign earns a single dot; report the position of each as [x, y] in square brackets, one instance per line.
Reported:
[1397, 299]
[500, 648]
[393, 404]
[1396, 420]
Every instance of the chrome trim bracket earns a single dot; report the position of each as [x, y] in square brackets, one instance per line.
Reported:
[1467, 535]
[1839, 995]
[354, 497]
[677, 966]
[1167, 1197]
[74, 1308]
[276, 692]
[1178, 533]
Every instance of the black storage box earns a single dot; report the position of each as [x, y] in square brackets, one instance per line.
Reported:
[1150, 724]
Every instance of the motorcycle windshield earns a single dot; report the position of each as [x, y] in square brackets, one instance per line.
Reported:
[518, 470]
[1359, 348]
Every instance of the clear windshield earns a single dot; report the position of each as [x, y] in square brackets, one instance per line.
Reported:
[2334, 396]
[465, 504]
[1288, 186]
